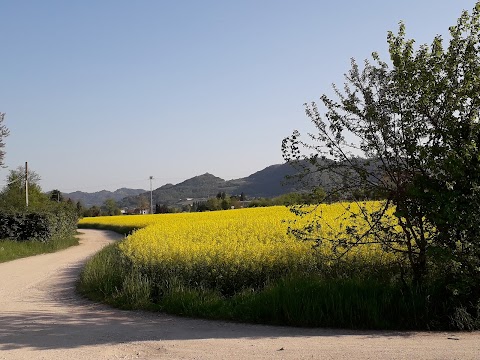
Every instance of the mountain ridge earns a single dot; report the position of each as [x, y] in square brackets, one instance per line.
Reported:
[268, 182]
[98, 197]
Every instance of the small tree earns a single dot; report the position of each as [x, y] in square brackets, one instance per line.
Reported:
[408, 133]
[56, 195]
[110, 208]
[163, 209]
[92, 211]
[225, 204]
[79, 208]
[143, 203]
[13, 195]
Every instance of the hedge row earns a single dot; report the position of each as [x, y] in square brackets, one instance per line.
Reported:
[37, 225]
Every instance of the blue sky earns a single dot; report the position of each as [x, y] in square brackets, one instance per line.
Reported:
[103, 94]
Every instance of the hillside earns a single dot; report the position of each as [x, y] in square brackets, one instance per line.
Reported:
[268, 182]
[99, 197]
[202, 186]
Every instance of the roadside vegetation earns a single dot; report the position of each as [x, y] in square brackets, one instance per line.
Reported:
[245, 265]
[11, 249]
[47, 224]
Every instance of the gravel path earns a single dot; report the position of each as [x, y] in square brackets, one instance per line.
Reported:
[42, 317]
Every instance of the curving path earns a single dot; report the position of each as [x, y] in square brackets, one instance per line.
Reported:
[41, 317]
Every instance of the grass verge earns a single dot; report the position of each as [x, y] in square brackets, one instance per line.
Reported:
[11, 250]
[307, 301]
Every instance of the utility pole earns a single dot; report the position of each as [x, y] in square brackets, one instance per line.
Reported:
[26, 183]
[151, 195]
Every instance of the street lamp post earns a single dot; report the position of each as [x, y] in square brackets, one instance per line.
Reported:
[151, 195]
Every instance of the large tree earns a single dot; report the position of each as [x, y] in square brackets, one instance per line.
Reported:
[407, 131]
[3, 133]
[13, 195]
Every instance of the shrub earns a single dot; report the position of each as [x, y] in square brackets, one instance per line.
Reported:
[38, 225]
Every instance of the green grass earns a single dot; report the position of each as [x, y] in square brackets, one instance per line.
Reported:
[347, 295]
[11, 250]
[306, 301]
[103, 275]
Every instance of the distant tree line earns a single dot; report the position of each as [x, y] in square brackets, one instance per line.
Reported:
[108, 208]
[223, 201]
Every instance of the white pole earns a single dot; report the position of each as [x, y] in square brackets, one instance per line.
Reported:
[26, 183]
[151, 195]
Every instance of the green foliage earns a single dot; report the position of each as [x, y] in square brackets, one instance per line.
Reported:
[359, 302]
[224, 202]
[80, 208]
[164, 209]
[212, 204]
[92, 211]
[63, 219]
[39, 225]
[104, 273]
[42, 220]
[416, 125]
[110, 208]
[345, 303]
[25, 226]
[56, 195]
[13, 198]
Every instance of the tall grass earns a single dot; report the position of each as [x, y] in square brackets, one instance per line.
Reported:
[310, 301]
[243, 265]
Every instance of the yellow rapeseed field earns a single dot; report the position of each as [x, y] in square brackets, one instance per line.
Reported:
[230, 249]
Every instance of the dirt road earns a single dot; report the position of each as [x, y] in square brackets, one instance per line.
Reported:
[42, 317]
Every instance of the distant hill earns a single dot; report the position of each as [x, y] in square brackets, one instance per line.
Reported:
[269, 182]
[99, 197]
[202, 186]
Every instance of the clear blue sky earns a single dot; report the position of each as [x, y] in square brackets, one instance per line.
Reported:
[103, 94]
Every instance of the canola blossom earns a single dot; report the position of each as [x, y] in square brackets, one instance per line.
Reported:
[226, 250]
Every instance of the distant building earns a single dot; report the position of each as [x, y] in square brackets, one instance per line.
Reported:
[138, 211]
[190, 201]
